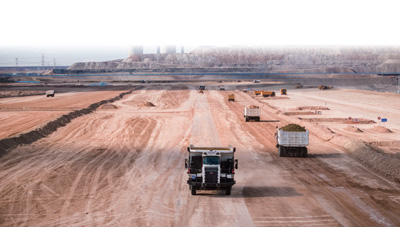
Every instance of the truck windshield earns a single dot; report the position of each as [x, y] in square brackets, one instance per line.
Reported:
[211, 160]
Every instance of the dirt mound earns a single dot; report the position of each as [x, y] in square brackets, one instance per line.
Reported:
[381, 129]
[108, 106]
[386, 164]
[293, 128]
[352, 129]
[146, 104]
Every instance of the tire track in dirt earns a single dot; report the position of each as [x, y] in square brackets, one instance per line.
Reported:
[319, 177]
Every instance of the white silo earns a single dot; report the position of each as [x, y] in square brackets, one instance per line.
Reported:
[168, 49]
[137, 49]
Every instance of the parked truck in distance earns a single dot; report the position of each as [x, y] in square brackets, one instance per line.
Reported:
[202, 87]
[283, 91]
[211, 168]
[231, 97]
[291, 140]
[50, 93]
[268, 93]
[252, 113]
[222, 87]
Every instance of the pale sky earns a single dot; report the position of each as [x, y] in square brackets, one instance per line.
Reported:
[186, 22]
[69, 31]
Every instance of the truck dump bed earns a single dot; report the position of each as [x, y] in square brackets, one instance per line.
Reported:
[252, 111]
[292, 139]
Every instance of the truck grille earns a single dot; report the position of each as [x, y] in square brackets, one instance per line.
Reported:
[211, 175]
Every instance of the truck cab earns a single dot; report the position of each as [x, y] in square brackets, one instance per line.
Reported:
[211, 168]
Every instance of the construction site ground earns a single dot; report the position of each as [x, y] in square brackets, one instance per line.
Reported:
[124, 166]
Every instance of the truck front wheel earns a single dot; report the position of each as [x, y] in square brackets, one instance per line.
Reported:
[193, 190]
[228, 190]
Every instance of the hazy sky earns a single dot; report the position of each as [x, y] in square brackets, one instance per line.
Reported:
[46, 25]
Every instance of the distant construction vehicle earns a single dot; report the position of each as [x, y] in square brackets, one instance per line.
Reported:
[257, 92]
[252, 113]
[202, 87]
[256, 81]
[211, 168]
[283, 91]
[299, 86]
[268, 94]
[231, 97]
[245, 90]
[292, 140]
[50, 93]
[324, 87]
[222, 88]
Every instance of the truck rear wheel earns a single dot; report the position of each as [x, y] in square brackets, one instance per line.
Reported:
[280, 151]
[305, 152]
[228, 190]
[247, 119]
[193, 190]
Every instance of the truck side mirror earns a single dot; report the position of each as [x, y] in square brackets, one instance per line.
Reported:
[186, 164]
[276, 135]
[236, 163]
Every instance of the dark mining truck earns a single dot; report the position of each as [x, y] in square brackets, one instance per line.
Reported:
[211, 168]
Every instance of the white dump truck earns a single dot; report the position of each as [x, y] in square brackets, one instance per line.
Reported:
[292, 140]
[211, 168]
[252, 113]
[50, 93]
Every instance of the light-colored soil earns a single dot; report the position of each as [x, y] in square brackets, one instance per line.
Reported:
[23, 114]
[125, 167]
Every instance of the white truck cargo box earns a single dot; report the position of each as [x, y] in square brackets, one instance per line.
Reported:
[250, 112]
[292, 139]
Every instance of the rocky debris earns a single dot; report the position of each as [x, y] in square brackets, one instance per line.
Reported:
[312, 108]
[293, 128]
[6, 94]
[146, 104]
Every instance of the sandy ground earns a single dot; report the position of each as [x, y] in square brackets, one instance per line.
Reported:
[125, 167]
[23, 114]
[344, 103]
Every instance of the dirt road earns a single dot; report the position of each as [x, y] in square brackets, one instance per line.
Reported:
[125, 167]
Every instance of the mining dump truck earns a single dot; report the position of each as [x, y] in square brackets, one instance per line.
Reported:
[50, 93]
[283, 92]
[291, 140]
[222, 87]
[257, 92]
[268, 93]
[202, 87]
[211, 168]
[252, 113]
[231, 97]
